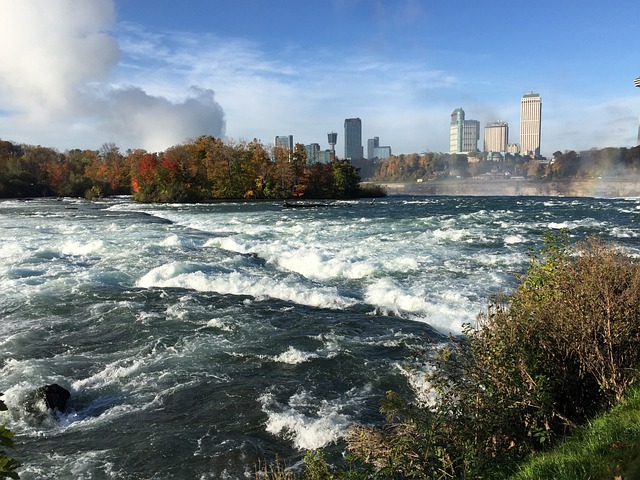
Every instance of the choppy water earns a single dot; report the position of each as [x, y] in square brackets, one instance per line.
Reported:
[197, 339]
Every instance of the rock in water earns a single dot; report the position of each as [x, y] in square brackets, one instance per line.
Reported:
[55, 397]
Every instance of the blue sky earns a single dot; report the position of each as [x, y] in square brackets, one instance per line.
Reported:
[153, 73]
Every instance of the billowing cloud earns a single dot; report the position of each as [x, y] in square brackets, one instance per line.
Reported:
[134, 116]
[56, 62]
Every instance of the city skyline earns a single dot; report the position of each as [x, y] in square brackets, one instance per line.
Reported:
[153, 74]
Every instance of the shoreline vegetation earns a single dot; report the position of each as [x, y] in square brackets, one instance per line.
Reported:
[208, 169]
[564, 404]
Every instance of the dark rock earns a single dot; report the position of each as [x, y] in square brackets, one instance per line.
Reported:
[54, 396]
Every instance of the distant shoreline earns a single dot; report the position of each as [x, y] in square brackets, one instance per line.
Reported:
[594, 187]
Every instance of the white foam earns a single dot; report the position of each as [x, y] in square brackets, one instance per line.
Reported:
[513, 239]
[220, 324]
[445, 310]
[293, 356]
[322, 425]
[11, 251]
[186, 275]
[416, 375]
[112, 373]
[83, 249]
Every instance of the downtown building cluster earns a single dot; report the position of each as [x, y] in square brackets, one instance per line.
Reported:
[353, 146]
[464, 134]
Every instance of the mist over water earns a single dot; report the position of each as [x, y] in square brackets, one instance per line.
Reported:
[197, 339]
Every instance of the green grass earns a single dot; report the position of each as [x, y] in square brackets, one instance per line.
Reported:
[607, 448]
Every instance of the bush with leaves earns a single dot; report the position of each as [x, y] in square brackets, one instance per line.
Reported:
[563, 347]
[8, 465]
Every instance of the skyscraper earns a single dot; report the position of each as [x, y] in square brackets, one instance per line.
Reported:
[455, 131]
[470, 136]
[284, 141]
[372, 144]
[313, 152]
[496, 137]
[463, 134]
[530, 124]
[353, 139]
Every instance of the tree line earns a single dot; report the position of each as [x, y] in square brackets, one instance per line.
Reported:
[203, 169]
[605, 162]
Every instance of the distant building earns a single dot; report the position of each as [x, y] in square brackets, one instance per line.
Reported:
[353, 139]
[284, 141]
[470, 136]
[463, 134]
[496, 137]
[313, 152]
[381, 153]
[455, 131]
[372, 143]
[530, 124]
[326, 156]
[513, 148]
[332, 137]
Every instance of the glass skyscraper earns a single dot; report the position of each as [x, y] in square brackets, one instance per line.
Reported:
[353, 139]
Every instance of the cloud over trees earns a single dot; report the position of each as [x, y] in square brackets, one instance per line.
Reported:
[57, 76]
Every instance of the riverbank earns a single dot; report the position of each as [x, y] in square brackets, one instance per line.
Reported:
[597, 187]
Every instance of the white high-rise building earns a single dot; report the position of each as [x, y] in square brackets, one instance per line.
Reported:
[496, 137]
[530, 124]
[455, 131]
[463, 134]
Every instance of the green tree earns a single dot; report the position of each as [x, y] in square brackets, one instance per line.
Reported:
[8, 465]
[346, 181]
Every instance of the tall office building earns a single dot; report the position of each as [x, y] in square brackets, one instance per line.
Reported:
[455, 131]
[463, 134]
[496, 137]
[284, 141]
[382, 152]
[530, 124]
[470, 136]
[353, 139]
[372, 144]
[313, 152]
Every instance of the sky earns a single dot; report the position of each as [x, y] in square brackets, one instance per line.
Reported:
[155, 73]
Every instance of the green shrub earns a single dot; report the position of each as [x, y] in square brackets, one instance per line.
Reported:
[8, 465]
[371, 190]
[563, 347]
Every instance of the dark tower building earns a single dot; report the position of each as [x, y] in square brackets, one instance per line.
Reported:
[353, 139]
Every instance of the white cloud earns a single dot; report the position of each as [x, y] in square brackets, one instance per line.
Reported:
[51, 49]
[300, 92]
[57, 62]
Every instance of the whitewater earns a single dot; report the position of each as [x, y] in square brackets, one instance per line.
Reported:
[198, 340]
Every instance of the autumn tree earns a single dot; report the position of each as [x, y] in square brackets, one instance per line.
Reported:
[284, 176]
[258, 169]
[144, 178]
[319, 181]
